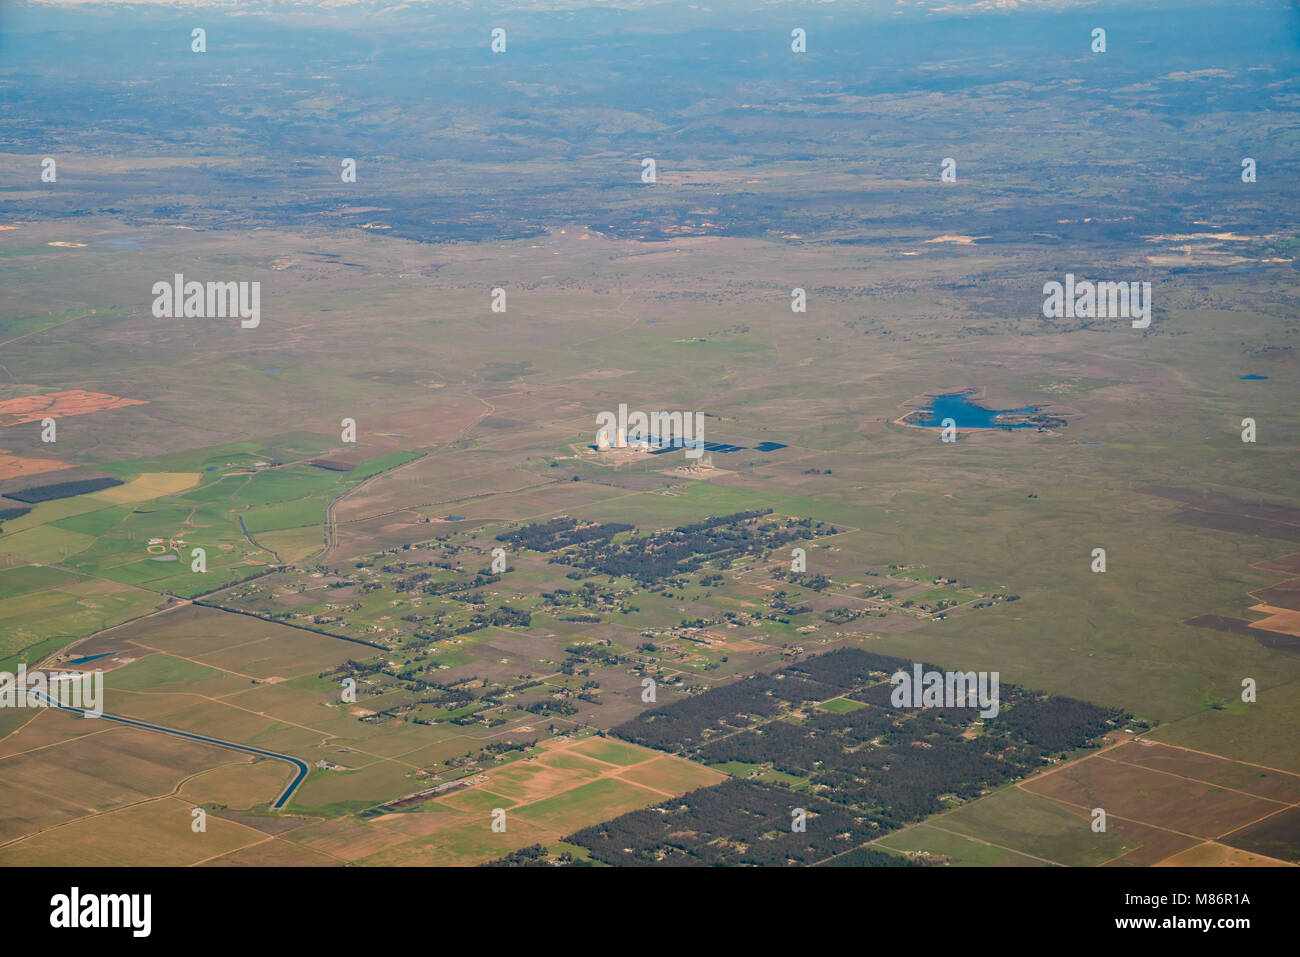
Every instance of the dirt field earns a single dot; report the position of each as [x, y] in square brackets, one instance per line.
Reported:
[1163, 804]
[1211, 854]
[1185, 793]
[62, 774]
[1284, 563]
[154, 832]
[1277, 836]
[1284, 621]
[1265, 636]
[1284, 594]
[58, 405]
[17, 466]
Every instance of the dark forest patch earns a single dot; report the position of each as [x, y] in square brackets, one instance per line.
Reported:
[46, 493]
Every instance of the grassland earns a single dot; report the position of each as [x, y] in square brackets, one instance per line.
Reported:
[472, 423]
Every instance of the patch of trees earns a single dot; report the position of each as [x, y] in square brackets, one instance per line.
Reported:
[781, 602]
[414, 581]
[733, 823]
[682, 725]
[8, 513]
[441, 632]
[560, 533]
[870, 857]
[505, 747]
[505, 617]
[847, 668]
[815, 582]
[537, 856]
[551, 707]
[458, 589]
[841, 615]
[891, 765]
[664, 556]
[531, 856]
[45, 493]
[1055, 724]
[797, 689]
[597, 653]
[352, 667]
